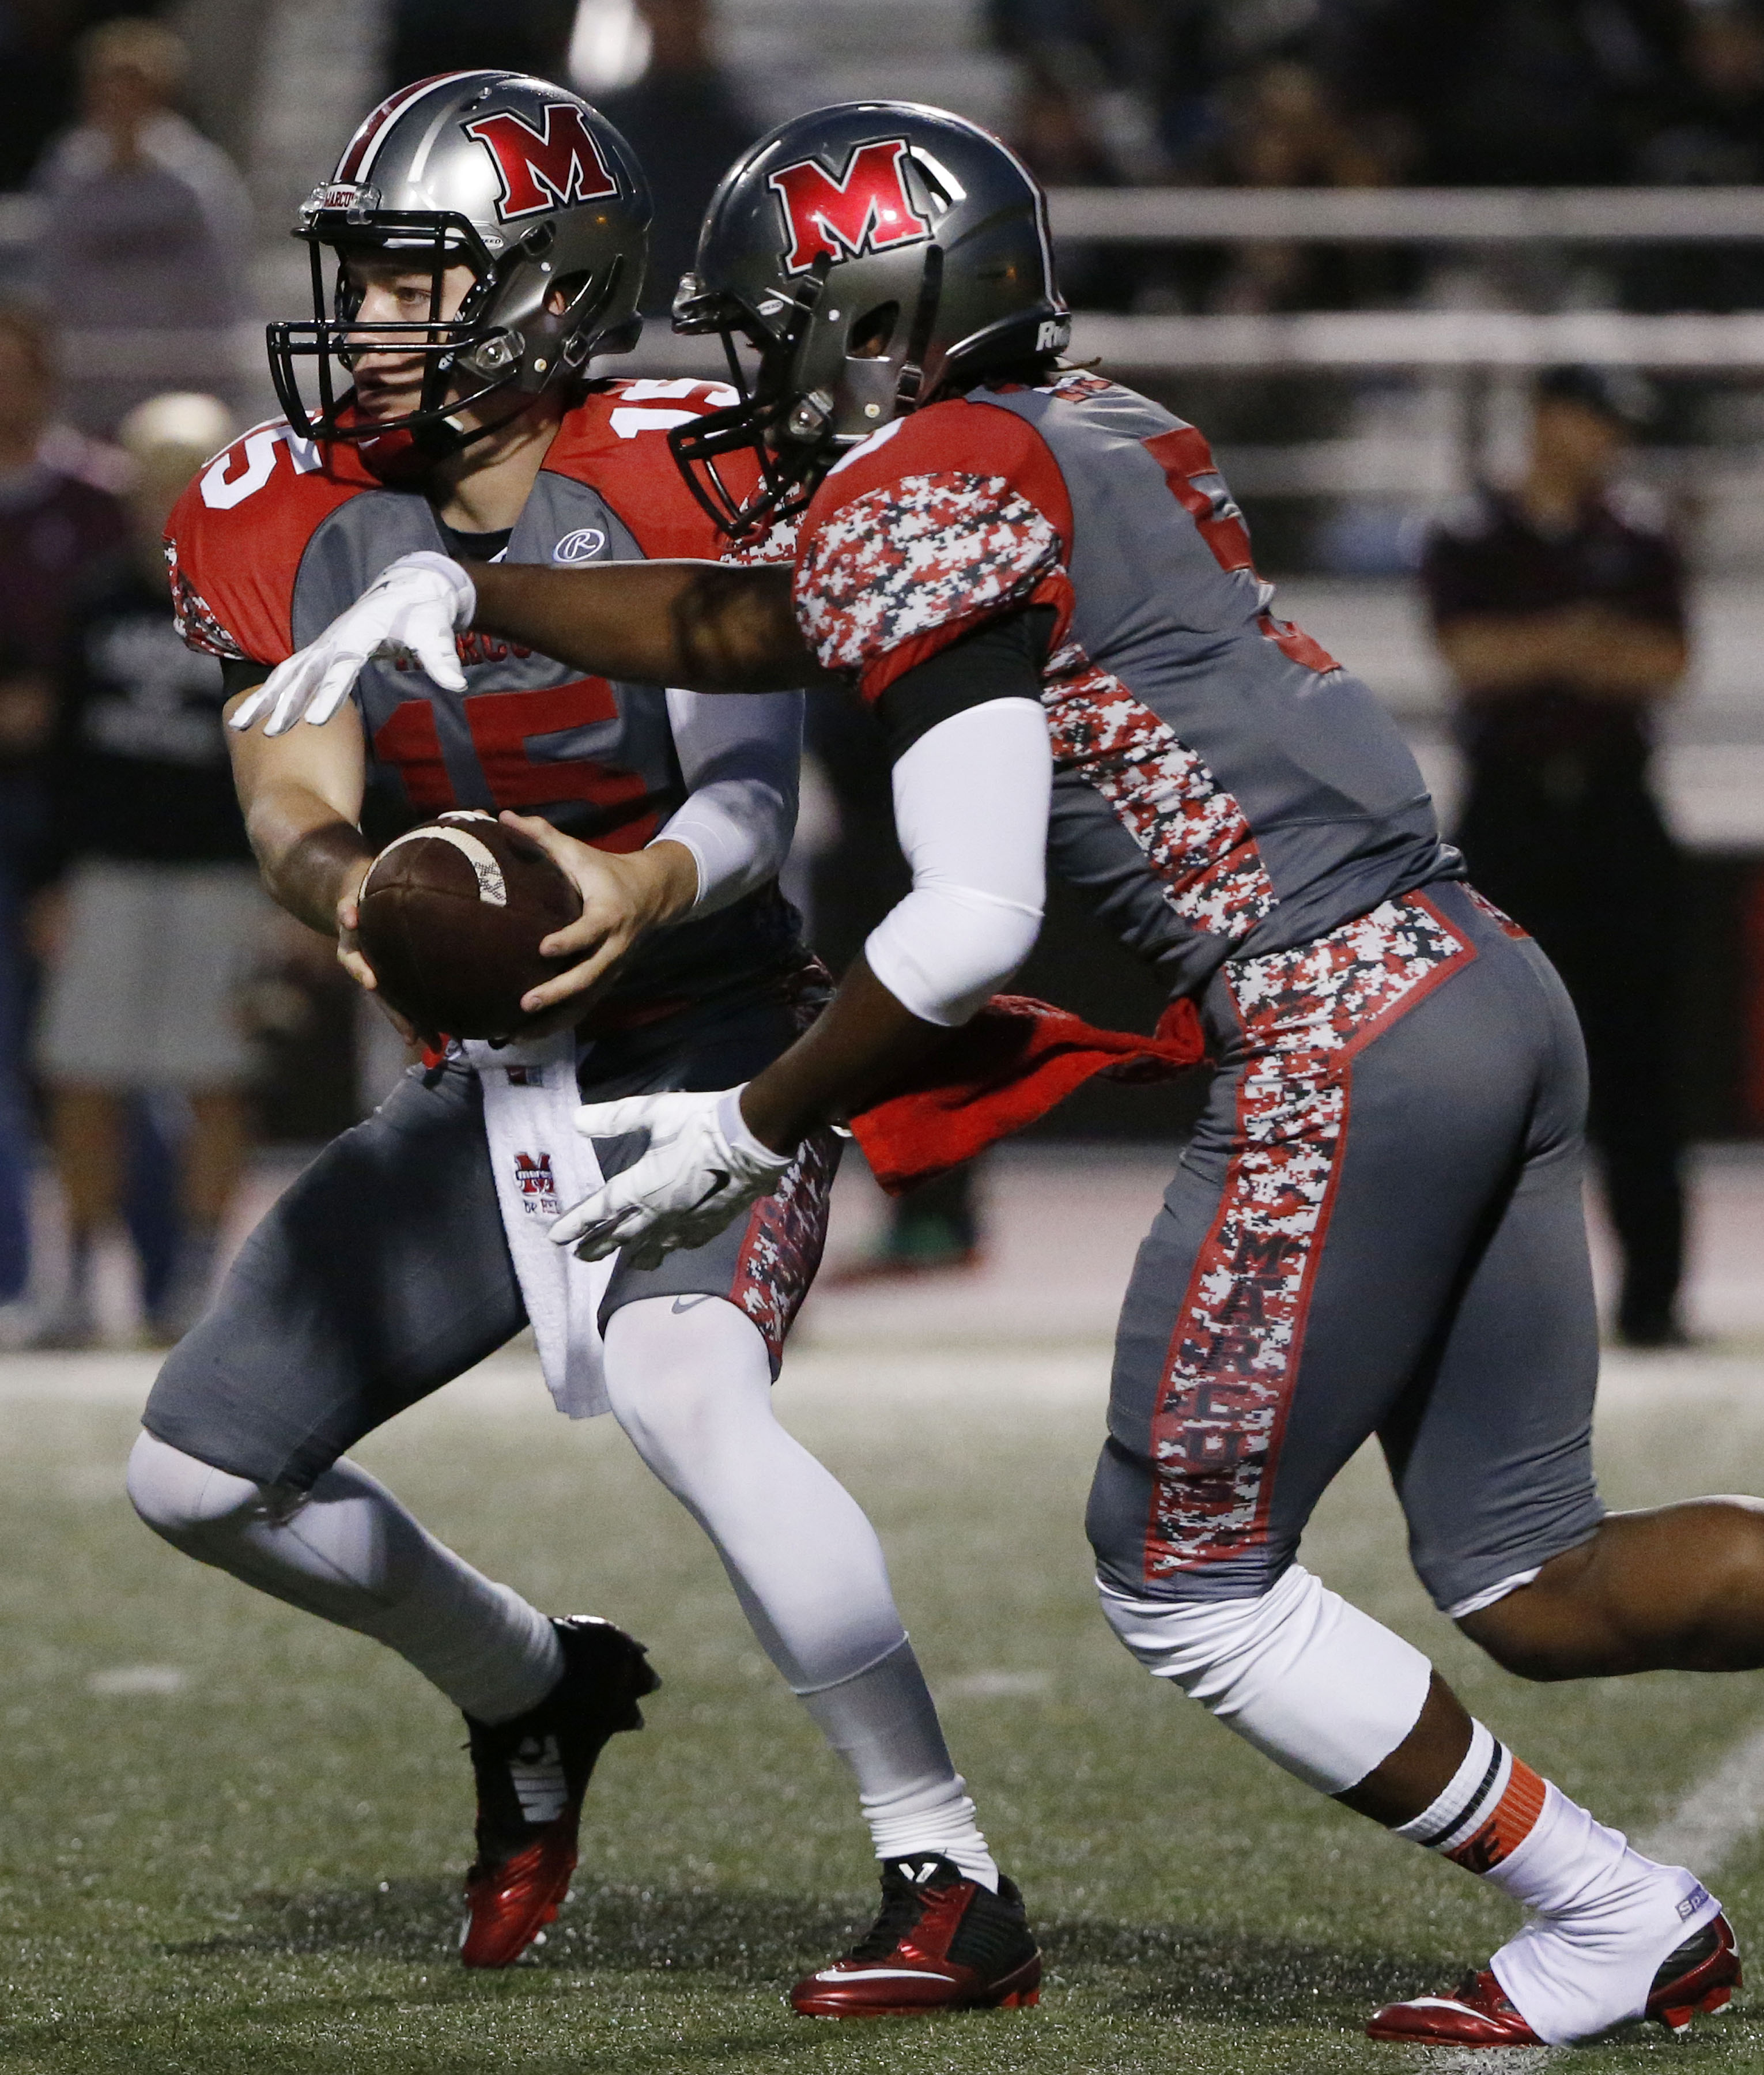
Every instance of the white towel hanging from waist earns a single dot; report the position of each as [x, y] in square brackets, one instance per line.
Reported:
[542, 1166]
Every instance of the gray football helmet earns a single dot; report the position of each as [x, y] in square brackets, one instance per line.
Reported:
[521, 180]
[878, 255]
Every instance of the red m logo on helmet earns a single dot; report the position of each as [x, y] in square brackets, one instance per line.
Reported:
[866, 210]
[544, 169]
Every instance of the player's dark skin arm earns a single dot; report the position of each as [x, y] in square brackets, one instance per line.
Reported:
[701, 626]
[864, 1040]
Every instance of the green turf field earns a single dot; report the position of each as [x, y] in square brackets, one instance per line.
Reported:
[255, 1869]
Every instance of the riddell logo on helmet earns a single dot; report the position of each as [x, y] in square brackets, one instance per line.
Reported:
[544, 169]
[866, 209]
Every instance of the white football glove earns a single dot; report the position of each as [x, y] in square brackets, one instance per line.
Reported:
[414, 607]
[702, 1170]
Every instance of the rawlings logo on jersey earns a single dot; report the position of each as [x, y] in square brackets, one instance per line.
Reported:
[581, 546]
[866, 209]
[537, 1185]
[544, 169]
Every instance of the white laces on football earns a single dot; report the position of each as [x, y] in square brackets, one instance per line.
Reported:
[414, 608]
[703, 1168]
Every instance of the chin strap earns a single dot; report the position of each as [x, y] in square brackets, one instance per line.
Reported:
[912, 376]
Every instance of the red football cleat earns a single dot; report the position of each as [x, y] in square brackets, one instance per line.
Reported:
[531, 1773]
[1476, 2013]
[1697, 1978]
[942, 1942]
[508, 1906]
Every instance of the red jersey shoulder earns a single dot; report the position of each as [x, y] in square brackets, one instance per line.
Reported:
[615, 441]
[956, 437]
[946, 519]
[234, 539]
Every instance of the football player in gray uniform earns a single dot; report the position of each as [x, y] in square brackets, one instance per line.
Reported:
[487, 234]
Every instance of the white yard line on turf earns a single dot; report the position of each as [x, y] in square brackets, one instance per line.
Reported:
[1717, 1816]
[815, 1378]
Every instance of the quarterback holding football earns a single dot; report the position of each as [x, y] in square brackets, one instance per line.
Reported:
[480, 241]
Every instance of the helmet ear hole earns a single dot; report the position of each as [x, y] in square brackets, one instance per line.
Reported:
[347, 296]
[871, 334]
[566, 292]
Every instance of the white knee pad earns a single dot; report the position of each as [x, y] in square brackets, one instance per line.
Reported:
[180, 1496]
[350, 1553]
[1316, 1685]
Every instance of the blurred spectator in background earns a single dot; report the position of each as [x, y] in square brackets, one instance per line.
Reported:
[431, 36]
[161, 913]
[1282, 129]
[1715, 137]
[39, 78]
[55, 518]
[1506, 93]
[145, 231]
[1559, 609]
[1145, 76]
[1051, 129]
[686, 121]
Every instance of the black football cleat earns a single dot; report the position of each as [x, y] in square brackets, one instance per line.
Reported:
[942, 1942]
[1694, 1979]
[531, 1773]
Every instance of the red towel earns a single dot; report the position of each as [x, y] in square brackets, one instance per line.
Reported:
[1011, 1064]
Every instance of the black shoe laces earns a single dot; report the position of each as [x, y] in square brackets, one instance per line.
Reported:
[902, 1907]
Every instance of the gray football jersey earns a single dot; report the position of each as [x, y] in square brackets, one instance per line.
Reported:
[276, 537]
[1222, 788]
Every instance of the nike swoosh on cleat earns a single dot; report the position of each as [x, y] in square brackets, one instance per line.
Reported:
[881, 1974]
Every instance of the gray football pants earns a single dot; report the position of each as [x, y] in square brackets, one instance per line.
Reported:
[1377, 1229]
[383, 1273]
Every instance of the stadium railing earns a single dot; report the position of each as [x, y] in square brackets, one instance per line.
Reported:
[1439, 341]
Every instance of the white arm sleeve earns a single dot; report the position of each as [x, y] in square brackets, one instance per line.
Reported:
[971, 807]
[739, 754]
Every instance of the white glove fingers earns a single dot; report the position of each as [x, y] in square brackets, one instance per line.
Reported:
[250, 708]
[654, 1114]
[596, 1228]
[437, 655]
[288, 686]
[613, 1202]
[337, 683]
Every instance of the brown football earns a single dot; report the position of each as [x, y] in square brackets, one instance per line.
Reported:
[452, 914]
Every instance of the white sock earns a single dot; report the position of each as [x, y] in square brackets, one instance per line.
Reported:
[690, 1382]
[1604, 1916]
[1318, 1686]
[883, 1723]
[348, 1552]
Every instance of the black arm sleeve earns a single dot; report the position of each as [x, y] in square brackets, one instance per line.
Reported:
[1002, 660]
[237, 677]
